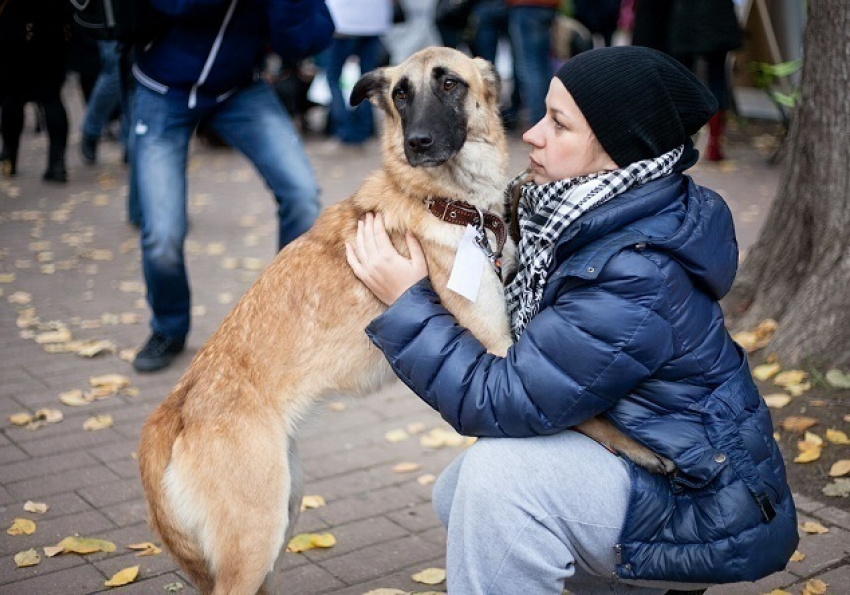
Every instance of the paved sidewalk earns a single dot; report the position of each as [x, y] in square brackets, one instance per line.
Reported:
[68, 258]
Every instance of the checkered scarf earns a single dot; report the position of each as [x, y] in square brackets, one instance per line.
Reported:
[547, 210]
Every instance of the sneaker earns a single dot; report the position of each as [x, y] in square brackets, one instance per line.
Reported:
[158, 352]
[88, 147]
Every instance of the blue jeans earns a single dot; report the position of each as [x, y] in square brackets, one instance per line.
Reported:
[529, 28]
[351, 126]
[253, 121]
[106, 95]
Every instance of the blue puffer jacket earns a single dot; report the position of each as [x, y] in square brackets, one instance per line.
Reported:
[211, 48]
[629, 327]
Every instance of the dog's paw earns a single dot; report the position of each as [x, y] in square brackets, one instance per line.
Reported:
[652, 462]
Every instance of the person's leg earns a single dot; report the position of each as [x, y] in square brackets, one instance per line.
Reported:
[717, 83]
[529, 28]
[12, 124]
[48, 94]
[105, 97]
[161, 131]
[254, 121]
[534, 516]
[338, 52]
[489, 18]
[361, 123]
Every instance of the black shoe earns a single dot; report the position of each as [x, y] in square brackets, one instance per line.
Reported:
[88, 147]
[158, 352]
[55, 173]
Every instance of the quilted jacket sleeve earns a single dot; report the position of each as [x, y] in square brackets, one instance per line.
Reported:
[575, 359]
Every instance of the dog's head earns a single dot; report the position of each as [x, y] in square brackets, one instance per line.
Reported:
[435, 100]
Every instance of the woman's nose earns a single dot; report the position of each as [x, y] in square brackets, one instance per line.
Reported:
[531, 136]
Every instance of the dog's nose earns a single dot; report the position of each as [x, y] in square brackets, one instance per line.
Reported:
[420, 142]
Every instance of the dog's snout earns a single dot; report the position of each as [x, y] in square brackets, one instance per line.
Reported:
[420, 142]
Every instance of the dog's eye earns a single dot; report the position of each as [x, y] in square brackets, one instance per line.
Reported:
[449, 84]
[399, 95]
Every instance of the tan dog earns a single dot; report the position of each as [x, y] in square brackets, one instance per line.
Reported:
[218, 457]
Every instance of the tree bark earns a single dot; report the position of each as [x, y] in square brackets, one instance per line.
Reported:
[798, 272]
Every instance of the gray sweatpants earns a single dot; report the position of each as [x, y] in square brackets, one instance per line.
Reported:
[535, 516]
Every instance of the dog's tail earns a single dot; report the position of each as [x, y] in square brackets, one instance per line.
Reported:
[159, 433]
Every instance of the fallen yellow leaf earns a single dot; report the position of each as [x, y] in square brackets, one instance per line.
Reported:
[430, 576]
[53, 550]
[36, 507]
[146, 549]
[21, 527]
[116, 381]
[813, 528]
[837, 437]
[777, 400]
[98, 422]
[810, 455]
[790, 377]
[426, 479]
[812, 438]
[439, 437]
[73, 398]
[396, 436]
[779, 592]
[815, 587]
[81, 545]
[50, 416]
[840, 468]
[123, 577]
[26, 558]
[796, 423]
[798, 389]
[766, 371]
[383, 591]
[415, 427]
[406, 467]
[312, 502]
[20, 419]
[308, 541]
[797, 556]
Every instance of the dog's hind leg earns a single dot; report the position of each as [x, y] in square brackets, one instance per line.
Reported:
[236, 485]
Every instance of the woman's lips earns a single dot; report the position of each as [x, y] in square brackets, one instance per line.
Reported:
[534, 164]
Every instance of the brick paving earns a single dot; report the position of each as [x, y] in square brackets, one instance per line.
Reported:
[70, 249]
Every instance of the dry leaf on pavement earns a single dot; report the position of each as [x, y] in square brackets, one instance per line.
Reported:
[21, 527]
[51, 416]
[75, 544]
[796, 423]
[837, 437]
[840, 468]
[766, 371]
[383, 591]
[426, 479]
[146, 549]
[114, 381]
[430, 576]
[312, 502]
[308, 541]
[777, 400]
[813, 528]
[797, 556]
[123, 577]
[840, 488]
[396, 436]
[406, 467]
[20, 419]
[815, 587]
[838, 379]
[810, 455]
[26, 558]
[98, 422]
[36, 507]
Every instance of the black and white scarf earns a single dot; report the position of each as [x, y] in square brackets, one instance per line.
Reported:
[547, 210]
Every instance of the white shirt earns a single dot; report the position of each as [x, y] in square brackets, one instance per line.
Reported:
[361, 17]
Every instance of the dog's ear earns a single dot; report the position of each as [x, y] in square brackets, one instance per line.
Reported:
[492, 81]
[371, 86]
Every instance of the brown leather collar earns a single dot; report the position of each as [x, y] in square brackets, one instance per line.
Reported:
[462, 213]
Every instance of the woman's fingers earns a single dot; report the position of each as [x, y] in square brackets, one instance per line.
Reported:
[417, 256]
[382, 239]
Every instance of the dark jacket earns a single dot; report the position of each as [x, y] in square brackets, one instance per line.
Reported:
[630, 327]
[699, 27]
[230, 39]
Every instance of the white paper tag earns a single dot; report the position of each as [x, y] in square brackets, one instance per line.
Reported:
[468, 267]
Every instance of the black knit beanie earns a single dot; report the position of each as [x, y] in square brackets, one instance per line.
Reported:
[639, 102]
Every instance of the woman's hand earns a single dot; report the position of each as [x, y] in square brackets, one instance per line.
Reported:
[375, 261]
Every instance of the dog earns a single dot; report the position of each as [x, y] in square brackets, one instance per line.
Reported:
[218, 456]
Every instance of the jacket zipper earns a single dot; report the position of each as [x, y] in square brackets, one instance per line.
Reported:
[193, 94]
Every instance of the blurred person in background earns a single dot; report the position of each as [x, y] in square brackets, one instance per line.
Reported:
[104, 102]
[34, 37]
[529, 27]
[359, 25]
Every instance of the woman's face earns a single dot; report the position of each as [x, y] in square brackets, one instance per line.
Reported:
[562, 143]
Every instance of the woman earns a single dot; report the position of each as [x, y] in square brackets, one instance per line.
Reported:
[614, 308]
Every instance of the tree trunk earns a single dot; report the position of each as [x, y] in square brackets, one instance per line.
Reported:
[798, 272]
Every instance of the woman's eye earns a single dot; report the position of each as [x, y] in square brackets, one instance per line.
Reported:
[449, 84]
[558, 125]
[399, 95]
